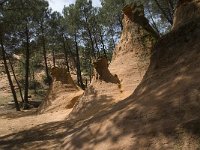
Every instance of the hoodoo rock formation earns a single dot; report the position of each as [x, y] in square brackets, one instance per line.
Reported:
[63, 92]
[163, 112]
[131, 56]
[103, 73]
[115, 82]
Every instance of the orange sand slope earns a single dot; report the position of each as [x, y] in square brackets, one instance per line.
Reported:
[115, 82]
[163, 112]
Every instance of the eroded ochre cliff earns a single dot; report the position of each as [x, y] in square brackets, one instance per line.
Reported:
[62, 94]
[163, 112]
[116, 81]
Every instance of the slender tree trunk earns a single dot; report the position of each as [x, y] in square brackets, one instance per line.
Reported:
[91, 70]
[171, 9]
[101, 40]
[120, 21]
[54, 59]
[70, 52]
[163, 12]
[9, 78]
[20, 89]
[153, 22]
[113, 41]
[90, 36]
[98, 51]
[78, 66]
[66, 54]
[33, 78]
[103, 45]
[45, 55]
[92, 43]
[86, 83]
[26, 86]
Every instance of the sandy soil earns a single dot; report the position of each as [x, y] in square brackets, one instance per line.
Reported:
[35, 131]
[13, 122]
[162, 113]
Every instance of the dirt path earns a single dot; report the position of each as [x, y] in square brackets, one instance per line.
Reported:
[34, 131]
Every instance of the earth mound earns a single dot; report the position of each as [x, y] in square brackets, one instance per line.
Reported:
[63, 92]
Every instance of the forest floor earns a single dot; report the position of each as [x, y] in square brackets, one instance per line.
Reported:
[21, 127]
[30, 128]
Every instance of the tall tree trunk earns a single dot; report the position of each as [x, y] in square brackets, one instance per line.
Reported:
[98, 51]
[101, 39]
[153, 22]
[66, 54]
[78, 66]
[91, 41]
[20, 89]
[120, 21]
[33, 78]
[103, 45]
[45, 55]
[112, 34]
[69, 50]
[54, 59]
[9, 77]
[91, 71]
[90, 37]
[164, 13]
[26, 86]
[172, 6]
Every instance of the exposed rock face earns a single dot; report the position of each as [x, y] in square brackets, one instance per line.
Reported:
[63, 92]
[103, 73]
[163, 112]
[131, 56]
[186, 11]
[62, 75]
[115, 82]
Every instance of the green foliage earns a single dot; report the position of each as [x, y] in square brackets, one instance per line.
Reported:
[82, 32]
